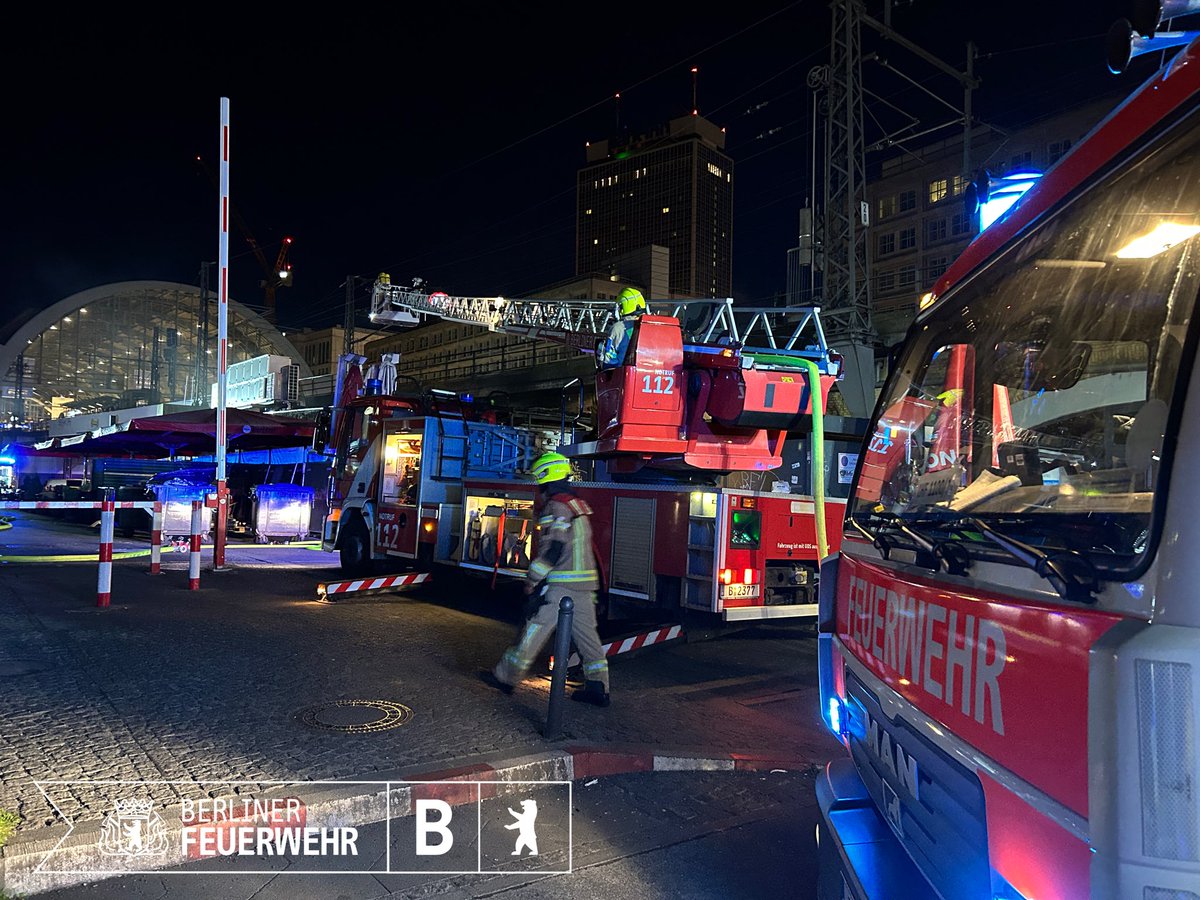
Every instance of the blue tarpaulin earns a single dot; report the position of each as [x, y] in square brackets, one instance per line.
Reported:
[284, 456]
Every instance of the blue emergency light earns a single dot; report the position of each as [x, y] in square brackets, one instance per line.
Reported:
[837, 710]
[994, 196]
[7, 461]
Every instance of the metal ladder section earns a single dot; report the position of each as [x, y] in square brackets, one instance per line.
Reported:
[782, 330]
[481, 449]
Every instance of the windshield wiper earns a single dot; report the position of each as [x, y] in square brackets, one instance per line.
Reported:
[932, 554]
[1070, 572]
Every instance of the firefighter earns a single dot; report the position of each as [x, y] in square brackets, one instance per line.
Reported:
[565, 566]
[630, 307]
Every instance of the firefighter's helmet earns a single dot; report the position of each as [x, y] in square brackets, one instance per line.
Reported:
[630, 302]
[550, 467]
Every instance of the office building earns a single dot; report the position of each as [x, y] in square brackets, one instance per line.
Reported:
[673, 188]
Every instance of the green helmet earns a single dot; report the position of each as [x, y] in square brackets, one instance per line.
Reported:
[550, 467]
[630, 301]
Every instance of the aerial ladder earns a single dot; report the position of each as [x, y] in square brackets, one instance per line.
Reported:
[706, 387]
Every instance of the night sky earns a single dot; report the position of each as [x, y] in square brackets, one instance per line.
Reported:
[441, 140]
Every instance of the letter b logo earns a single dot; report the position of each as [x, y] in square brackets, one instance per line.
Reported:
[433, 821]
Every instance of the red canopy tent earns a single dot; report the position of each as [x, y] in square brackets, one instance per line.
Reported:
[189, 433]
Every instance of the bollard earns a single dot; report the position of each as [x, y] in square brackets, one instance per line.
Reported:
[156, 525]
[558, 678]
[107, 520]
[198, 513]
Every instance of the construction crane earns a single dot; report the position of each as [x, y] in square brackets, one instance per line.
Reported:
[274, 277]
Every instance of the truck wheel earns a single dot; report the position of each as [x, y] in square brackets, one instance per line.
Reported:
[354, 552]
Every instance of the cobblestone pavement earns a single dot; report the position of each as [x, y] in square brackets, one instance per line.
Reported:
[691, 835]
[170, 684]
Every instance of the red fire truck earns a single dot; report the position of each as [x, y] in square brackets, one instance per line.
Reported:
[443, 487]
[1009, 638]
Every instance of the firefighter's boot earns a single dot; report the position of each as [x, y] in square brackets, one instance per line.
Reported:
[592, 692]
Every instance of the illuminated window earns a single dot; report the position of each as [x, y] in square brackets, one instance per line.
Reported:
[938, 189]
[887, 206]
[588, 213]
[666, 209]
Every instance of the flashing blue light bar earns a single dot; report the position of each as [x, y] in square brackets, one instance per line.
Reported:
[7, 461]
[1003, 192]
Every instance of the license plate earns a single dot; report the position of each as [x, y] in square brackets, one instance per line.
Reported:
[739, 591]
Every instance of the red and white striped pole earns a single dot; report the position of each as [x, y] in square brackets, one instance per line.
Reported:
[156, 525]
[107, 517]
[198, 513]
[222, 435]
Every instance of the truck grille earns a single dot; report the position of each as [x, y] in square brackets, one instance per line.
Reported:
[943, 827]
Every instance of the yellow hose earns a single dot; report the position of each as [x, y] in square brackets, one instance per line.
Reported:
[72, 557]
[818, 455]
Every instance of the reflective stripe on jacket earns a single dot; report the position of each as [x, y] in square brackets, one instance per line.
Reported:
[565, 553]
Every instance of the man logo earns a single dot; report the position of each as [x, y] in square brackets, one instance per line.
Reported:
[133, 829]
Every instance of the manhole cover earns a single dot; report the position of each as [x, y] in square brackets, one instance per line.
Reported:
[356, 716]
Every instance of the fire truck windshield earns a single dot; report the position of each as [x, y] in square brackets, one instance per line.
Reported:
[1038, 391]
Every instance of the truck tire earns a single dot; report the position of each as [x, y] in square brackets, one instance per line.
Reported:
[354, 549]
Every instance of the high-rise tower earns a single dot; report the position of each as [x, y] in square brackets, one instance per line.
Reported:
[671, 188]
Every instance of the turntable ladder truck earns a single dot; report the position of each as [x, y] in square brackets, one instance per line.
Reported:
[706, 389]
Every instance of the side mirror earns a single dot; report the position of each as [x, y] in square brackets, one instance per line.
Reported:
[321, 436]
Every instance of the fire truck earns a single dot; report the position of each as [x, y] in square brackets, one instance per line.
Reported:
[697, 398]
[1009, 636]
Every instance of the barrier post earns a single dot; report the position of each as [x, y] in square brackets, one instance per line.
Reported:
[558, 678]
[198, 513]
[108, 516]
[156, 525]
